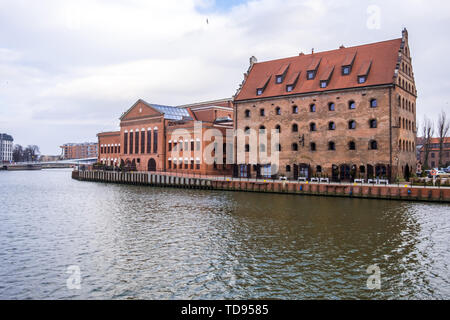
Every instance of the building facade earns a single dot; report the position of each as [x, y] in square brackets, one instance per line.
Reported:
[433, 153]
[156, 137]
[79, 150]
[6, 147]
[347, 113]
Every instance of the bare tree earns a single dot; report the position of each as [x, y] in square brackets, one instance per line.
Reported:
[427, 134]
[443, 125]
[18, 153]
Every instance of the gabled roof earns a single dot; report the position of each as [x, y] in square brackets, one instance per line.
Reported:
[382, 55]
[169, 112]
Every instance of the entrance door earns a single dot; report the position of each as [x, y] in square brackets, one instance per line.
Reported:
[151, 165]
[304, 170]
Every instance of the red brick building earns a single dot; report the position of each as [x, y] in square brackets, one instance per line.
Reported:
[345, 113]
[165, 138]
[433, 155]
[80, 150]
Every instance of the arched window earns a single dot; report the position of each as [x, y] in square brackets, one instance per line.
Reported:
[247, 130]
[294, 109]
[288, 168]
[262, 147]
[294, 147]
[277, 111]
[373, 123]
[400, 145]
[352, 124]
[247, 148]
[247, 113]
[262, 113]
[352, 145]
[312, 126]
[331, 125]
[262, 129]
[331, 106]
[312, 108]
[351, 105]
[278, 128]
[373, 145]
[331, 145]
[312, 146]
[318, 169]
[373, 103]
[294, 127]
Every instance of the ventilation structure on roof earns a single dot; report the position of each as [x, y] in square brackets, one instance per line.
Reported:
[262, 86]
[281, 74]
[347, 64]
[364, 71]
[292, 81]
[312, 69]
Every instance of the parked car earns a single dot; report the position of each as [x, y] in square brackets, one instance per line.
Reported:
[447, 170]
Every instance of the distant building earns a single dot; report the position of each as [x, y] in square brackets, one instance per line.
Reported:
[80, 150]
[6, 147]
[433, 156]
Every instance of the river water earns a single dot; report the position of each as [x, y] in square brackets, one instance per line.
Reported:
[66, 239]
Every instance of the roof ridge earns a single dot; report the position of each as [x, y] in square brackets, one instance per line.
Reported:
[328, 51]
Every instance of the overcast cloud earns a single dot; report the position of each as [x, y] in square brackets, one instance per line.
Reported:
[68, 69]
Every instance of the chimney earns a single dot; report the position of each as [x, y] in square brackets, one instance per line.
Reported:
[301, 54]
[312, 51]
[342, 46]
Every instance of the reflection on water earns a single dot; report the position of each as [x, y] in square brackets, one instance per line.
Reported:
[150, 243]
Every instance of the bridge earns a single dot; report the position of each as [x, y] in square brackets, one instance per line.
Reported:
[47, 165]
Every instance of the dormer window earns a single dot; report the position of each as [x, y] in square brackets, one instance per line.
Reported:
[346, 70]
[312, 69]
[291, 81]
[326, 76]
[364, 71]
[347, 64]
[279, 76]
[262, 86]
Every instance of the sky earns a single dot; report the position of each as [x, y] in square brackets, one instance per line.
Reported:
[69, 69]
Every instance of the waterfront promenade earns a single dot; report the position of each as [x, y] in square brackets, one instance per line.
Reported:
[165, 179]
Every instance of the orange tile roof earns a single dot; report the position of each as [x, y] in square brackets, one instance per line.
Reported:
[378, 59]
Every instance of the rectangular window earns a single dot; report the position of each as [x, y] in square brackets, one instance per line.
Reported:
[142, 141]
[346, 70]
[289, 88]
[310, 75]
[259, 92]
[137, 142]
[170, 146]
[361, 79]
[131, 143]
[197, 145]
[149, 141]
[323, 84]
[192, 147]
[155, 141]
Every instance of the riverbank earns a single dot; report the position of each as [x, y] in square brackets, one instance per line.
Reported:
[386, 192]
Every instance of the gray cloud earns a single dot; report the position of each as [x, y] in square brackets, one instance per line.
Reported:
[69, 69]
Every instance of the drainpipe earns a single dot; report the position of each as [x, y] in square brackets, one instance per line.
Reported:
[390, 133]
